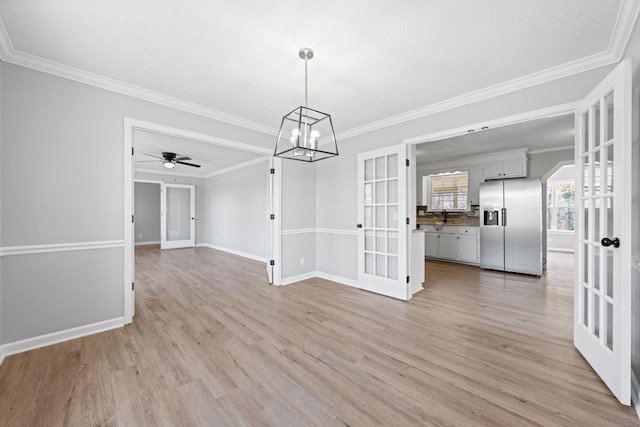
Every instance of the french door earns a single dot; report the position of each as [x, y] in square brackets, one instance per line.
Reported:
[602, 293]
[382, 228]
[177, 216]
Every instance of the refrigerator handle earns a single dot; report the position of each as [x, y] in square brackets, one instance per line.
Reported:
[504, 217]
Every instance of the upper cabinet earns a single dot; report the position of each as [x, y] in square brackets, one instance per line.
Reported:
[513, 168]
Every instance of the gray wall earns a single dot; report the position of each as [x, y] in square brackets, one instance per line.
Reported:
[147, 212]
[61, 181]
[336, 183]
[298, 213]
[201, 197]
[236, 209]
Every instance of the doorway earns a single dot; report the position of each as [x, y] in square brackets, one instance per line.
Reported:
[188, 227]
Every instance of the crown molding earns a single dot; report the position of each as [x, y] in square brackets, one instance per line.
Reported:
[9, 54]
[238, 166]
[480, 159]
[155, 172]
[552, 149]
[546, 112]
[625, 21]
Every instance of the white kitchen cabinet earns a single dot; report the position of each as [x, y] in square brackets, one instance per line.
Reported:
[453, 244]
[514, 168]
[431, 245]
[446, 245]
[467, 248]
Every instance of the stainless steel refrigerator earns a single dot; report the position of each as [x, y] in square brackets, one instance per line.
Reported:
[511, 225]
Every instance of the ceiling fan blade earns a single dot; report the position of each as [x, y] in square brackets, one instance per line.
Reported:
[151, 155]
[148, 161]
[182, 158]
[188, 164]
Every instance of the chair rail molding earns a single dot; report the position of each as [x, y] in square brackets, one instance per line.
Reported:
[59, 247]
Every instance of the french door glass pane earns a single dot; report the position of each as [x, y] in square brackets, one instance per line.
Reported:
[368, 240]
[585, 307]
[380, 168]
[596, 216]
[609, 274]
[381, 241]
[392, 191]
[368, 170]
[368, 216]
[392, 267]
[585, 270]
[585, 132]
[608, 101]
[609, 168]
[380, 266]
[392, 162]
[586, 176]
[380, 192]
[596, 315]
[368, 194]
[596, 268]
[380, 217]
[368, 263]
[609, 315]
[393, 216]
[393, 242]
[596, 122]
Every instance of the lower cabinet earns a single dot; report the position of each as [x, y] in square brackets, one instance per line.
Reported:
[453, 244]
[467, 248]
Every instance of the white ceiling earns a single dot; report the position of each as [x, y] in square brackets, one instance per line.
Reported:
[212, 158]
[541, 134]
[374, 58]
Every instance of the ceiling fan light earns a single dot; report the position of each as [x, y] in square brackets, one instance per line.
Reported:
[169, 165]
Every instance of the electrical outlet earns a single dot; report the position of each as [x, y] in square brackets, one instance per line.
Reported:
[301, 261]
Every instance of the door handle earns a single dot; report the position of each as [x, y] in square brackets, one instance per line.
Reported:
[504, 217]
[359, 225]
[608, 242]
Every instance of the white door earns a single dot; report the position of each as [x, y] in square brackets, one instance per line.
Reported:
[602, 294]
[177, 215]
[382, 216]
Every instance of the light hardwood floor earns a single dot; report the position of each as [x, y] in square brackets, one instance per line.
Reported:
[212, 344]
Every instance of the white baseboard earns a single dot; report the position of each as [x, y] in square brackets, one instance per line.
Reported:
[338, 279]
[635, 393]
[58, 337]
[416, 289]
[233, 251]
[147, 243]
[298, 278]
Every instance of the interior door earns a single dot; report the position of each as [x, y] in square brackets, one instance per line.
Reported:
[602, 294]
[382, 228]
[178, 203]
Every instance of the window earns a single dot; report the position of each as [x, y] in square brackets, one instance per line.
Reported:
[446, 191]
[560, 206]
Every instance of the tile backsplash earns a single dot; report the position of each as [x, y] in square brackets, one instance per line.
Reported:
[469, 218]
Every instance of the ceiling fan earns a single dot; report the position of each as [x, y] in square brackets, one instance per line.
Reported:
[169, 160]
